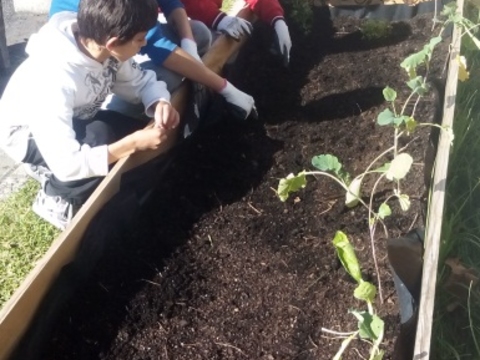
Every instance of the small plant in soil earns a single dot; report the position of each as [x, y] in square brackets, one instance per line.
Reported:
[370, 325]
[302, 13]
[401, 117]
[387, 172]
[375, 30]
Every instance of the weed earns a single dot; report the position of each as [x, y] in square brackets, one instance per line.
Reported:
[375, 30]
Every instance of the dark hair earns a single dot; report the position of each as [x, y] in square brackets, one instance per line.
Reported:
[101, 19]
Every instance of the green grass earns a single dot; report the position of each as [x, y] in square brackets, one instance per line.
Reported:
[24, 239]
[456, 333]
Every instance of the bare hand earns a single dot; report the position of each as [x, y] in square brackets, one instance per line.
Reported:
[149, 138]
[166, 117]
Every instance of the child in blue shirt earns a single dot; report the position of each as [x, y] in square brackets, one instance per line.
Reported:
[171, 62]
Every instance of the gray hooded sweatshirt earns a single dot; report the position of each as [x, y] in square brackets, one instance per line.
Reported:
[58, 82]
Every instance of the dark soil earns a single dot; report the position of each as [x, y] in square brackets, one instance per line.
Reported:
[217, 267]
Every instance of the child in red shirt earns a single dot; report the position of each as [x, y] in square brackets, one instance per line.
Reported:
[269, 11]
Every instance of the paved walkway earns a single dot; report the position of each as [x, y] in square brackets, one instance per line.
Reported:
[22, 18]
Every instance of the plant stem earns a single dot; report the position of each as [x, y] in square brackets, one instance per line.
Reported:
[372, 228]
[342, 184]
[339, 333]
[377, 158]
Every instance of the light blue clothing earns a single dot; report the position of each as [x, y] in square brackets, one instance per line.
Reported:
[158, 47]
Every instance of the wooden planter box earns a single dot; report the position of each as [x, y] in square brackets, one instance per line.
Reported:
[17, 314]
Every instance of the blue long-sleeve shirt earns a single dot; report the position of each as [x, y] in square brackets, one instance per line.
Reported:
[158, 47]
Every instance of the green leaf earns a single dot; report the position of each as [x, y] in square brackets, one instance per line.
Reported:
[383, 169]
[389, 94]
[353, 194]
[347, 256]
[410, 124]
[404, 202]
[327, 162]
[411, 63]
[386, 117]
[365, 291]
[449, 9]
[399, 120]
[369, 326]
[418, 85]
[431, 45]
[384, 211]
[290, 184]
[400, 166]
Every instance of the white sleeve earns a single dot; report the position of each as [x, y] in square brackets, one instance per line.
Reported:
[136, 85]
[51, 125]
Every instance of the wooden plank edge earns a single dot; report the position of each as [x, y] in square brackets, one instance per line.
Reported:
[18, 312]
[435, 212]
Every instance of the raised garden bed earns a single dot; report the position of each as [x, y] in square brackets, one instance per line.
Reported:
[216, 267]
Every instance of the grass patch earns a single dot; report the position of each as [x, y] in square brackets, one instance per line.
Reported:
[456, 324]
[24, 239]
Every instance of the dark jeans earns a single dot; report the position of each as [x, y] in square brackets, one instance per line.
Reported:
[105, 128]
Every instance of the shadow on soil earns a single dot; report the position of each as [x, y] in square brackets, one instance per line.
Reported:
[216, 159]
[339, 106]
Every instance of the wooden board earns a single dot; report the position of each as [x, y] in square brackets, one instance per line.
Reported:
[436, 206]
[16, 315]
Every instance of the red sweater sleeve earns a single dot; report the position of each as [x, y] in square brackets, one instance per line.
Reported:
[266, 10]
[206, 11]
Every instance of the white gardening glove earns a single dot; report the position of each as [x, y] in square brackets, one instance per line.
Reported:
[283, 40]
[190, 47]
[234, 27]
[241, 104]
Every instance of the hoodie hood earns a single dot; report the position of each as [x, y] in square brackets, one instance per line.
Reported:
[55, 43]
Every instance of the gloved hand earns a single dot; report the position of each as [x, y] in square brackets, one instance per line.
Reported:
[241, 104]
[283, 40]
[234, 27]
[190, 47]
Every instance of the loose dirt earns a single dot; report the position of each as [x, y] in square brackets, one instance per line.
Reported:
[217, 267]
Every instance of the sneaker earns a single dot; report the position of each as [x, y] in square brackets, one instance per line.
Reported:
[37, 172]
[54, 209]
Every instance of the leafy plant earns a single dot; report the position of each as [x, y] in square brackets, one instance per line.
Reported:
[301, 12]
[391, 166]
[401, 117]
[370, 325]
[376, 29]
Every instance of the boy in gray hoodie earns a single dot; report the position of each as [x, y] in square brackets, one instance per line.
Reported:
[50, 113]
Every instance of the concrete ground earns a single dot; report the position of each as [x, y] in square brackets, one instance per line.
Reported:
[22, 18]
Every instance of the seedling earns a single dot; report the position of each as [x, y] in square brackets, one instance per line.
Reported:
[373, 30]
[302, 13]
[391, 171]
[370, 325]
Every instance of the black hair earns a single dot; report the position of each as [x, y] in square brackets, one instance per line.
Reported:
[101, 19]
